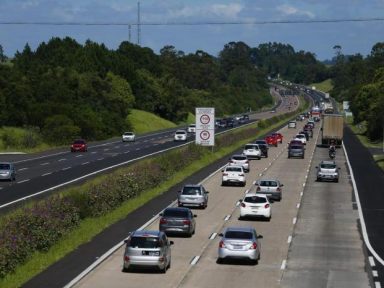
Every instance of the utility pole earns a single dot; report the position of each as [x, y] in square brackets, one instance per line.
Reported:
[129, 33]
[138, 24]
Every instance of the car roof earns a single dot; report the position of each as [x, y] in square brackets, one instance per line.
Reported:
[9, 163]
[128, 132]
[239, 155]
[239, 228]
[328, 162]
[252, 194]
[268, 179]
[181, 130]
[192, 185]
[153, 233]
[177, 209]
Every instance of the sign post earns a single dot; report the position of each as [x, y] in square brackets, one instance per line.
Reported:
[205, 126]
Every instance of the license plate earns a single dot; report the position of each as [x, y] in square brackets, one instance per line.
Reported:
[150, 253]
[237, 247]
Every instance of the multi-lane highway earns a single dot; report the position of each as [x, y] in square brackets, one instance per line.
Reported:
[312, 239]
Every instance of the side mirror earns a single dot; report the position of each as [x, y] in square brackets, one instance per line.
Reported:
[260, 236]
[317, 167]
[281, 185]
[194, 215]
[171, 242]
[221, 234]
[254, 182]
[161, 214]
[222, 170]
[206, 192]
[338, 168]
[240, 200]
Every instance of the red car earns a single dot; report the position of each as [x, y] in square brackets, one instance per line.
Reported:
[279, 136]
[79, 145]
[271, 140]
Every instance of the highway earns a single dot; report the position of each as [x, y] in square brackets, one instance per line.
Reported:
[312, 239]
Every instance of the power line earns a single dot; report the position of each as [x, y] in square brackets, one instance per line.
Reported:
[191, 23]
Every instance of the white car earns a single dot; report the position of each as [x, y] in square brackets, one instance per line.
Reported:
[292, 124]
[191, 128]
[255, 205]
[302, 138]
[233, 175]
[180, 135]
[128, 137]
[252, 150]
[239, 160]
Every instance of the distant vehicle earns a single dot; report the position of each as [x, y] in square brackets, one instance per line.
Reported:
[147, 249]
[264, 147]
[180, 135]
[230, 122]
[302, 138]
[191, 128]
[255, 205]
[221, 123]
[233, 175]
[271, 140]
[270, 187]
[193, 195]
[239, 159]
[296, 150]
[128, 137]
[239, 243]
[7, 171]
[177, 220]
[252, 151]
[327, 171]
[306, 133]
[292, 124]
[309, 131]
[332, 129]
[278, 136]
[79, 145]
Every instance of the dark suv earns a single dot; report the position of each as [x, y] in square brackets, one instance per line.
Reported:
[263, 145]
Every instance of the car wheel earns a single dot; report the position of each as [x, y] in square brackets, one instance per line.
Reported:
[318, 179]
[169, 264]
[219, 261]
[222, 183]
[337, 180]
[259, 158]
[244, 183]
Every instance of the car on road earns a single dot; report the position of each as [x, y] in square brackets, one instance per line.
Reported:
[296, 150]
[239, 243]
[79, 145]
[147, 249]
[252, 151]
[193, 195]
[255, 205]
[327, 171]
[263, 145]
[7, 171]
[233, 175]
[128, 137]
[271, 140]
[239, 159]
[292, 124]
[230, 122]
[269, 187]
[302, 138]
[191, 128]
[306, 134]
[180, 135]
[177, 220]
[278, 136]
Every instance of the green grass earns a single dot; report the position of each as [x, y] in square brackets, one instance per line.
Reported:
[324, 86]
[144, 122]
[359, 130]
[91, 227]
[379, 159]
[16, 139]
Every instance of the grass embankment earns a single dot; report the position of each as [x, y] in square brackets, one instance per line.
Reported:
[91, 227]
[324, 86]
[144, 122]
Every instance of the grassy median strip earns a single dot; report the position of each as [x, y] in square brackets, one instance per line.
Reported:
[90, 227]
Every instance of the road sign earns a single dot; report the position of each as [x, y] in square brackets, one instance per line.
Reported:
[205, 126]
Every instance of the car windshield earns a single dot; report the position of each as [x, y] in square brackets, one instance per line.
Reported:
[255, 199]
[248, 147]
[5, 166]
[268, 183]
[233, 169]
[79, 142]
[191, 191]
[180, 132]
[328, 166]
[128, 133]
[144, 242]
[296, 147]
[175, 213]
[238, 235]
[242, 158]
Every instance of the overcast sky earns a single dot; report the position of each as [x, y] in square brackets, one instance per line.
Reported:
[317, 38]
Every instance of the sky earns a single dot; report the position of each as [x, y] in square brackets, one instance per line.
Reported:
[192, 25]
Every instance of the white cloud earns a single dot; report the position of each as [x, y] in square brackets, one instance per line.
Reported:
[290, 10]
[228, 11]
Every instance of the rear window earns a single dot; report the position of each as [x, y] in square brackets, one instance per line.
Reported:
[248, 146]
[128, 133]
[260, 142]
[238, 235]
[296, 147]
[233, 169]
[144, 242]
[328, 166]
[180, 132]
[5, 166]
[239, 157]
[191, 191]
[175, 213]
[268, 183]
[255, 199]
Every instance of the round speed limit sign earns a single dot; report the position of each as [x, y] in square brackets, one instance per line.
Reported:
[205, 119]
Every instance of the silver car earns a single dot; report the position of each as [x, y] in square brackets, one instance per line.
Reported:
[327, 171]
[128, 137]
[7, 171]
[239, 243]
[193, 195]
[270, 187]
[240, 160]
[178, 220]
[147, 249]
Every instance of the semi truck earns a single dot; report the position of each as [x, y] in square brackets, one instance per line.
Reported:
[332, 129]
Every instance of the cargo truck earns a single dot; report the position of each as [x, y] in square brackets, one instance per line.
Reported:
[332, 129]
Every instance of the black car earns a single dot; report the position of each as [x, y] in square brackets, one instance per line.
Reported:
[306, 133]
[230, 122]
[263, 145]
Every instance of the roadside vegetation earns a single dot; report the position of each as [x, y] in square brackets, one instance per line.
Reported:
[324, 86]
[100, 202]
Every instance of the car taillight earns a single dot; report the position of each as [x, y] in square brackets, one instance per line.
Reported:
[126, 258]
[266, 206]
[254, 245]
[186, 222]
[221, 244]
[163, 221]
[242, 205]
[161, 259]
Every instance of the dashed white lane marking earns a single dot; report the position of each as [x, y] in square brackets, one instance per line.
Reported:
[301, 194]
[100, 159]
[85, 163]
[377, 285]
[303, 184]
[126, 152]
[298, 205]
[62, 159]
[213, 236]
[371, 261]
[66, 168]
[94, 152]
[77, 156]
[1, 188]
[116, 147]
[22, 181]
[227, 217]
[374, 273]
[106, 149]
[289, 240]
[195, 260]
[283, 264]
[137, 149]
[294, 220]
[237, 203]
[114, 155]
[46, 174]
[22, 169]
[261, 174]
[43, 164]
